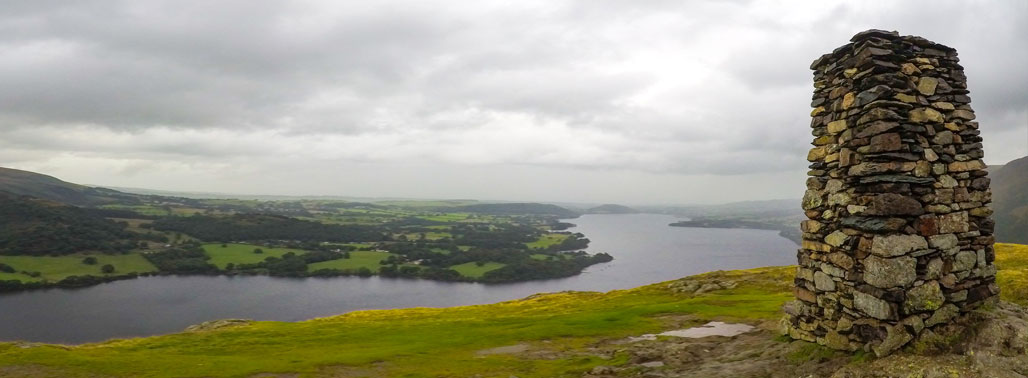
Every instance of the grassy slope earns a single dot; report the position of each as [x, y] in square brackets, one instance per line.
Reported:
[472, 269]
[242, 253]
[422, 342]
[1012, 261]
[58, 268]
[357, 260]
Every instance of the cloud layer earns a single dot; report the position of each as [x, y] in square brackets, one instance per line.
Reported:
[240, 93]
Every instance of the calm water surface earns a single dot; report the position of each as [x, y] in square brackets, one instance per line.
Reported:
[645, 250]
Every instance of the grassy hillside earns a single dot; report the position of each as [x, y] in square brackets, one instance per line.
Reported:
[560, 329]
[27, 183]
[1010, 201]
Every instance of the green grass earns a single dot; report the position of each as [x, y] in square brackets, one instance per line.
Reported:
[547, 240]
[357, 260]
[242, 253]
[60, 267]
[418, 342]
[18, 277]
[1012, 277]
[472, 270]
[447, 217]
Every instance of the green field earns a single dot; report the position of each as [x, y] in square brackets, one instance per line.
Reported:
[357, 260]
[58, 268]
[446, 217]
[472, 270]
[547, 240]
[242, 253]
[18, 277]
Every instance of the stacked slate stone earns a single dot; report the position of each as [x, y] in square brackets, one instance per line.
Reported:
[899, 236]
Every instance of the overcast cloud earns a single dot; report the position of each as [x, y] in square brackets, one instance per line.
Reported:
[595, 101]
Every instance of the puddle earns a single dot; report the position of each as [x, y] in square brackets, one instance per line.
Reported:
[709, 329]
[509, 349]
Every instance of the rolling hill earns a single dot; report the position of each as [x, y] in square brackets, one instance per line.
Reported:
[25, 183]
[611, 209]
[515, 209]
[1010, 201]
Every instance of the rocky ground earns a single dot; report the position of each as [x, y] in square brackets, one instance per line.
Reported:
[987, 343]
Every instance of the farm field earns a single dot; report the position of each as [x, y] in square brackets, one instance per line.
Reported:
[242, 253]
[54, 269]
[546, 240]
[357, 260]
[473, 270]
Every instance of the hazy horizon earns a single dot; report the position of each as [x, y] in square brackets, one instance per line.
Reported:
[547, 101]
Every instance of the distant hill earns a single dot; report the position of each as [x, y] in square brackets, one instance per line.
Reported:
[611, 209]
[764, 209]
[1010, 201]
[25, 183]
[515, 209]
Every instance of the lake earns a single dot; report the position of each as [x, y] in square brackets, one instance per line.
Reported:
[645, 249]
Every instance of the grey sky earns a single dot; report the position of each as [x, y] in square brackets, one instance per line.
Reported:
[596, 101]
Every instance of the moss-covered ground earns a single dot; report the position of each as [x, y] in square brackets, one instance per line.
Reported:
[444, 342]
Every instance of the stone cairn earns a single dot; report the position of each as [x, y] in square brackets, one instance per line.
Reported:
[899, 236]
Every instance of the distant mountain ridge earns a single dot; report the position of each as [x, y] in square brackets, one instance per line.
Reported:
[1010, 201]
[516, 208]
[611, 209]
[25, 183]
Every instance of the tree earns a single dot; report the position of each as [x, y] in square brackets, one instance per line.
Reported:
[89, 260]
[224, 245]
[364, 272]
[107, 269]
[258, 251]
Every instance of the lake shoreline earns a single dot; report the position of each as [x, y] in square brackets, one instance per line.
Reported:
[646, 251]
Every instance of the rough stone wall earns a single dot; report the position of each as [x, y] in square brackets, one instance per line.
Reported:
[899, 236]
